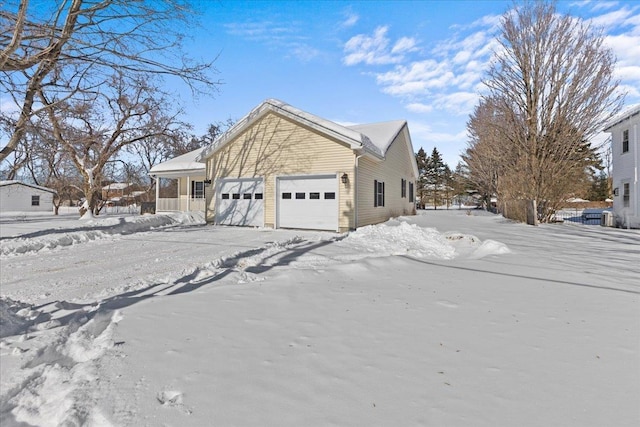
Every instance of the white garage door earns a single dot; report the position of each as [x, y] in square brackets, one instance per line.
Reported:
[240, 202]
[309, 202]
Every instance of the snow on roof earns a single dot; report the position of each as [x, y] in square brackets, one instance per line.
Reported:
[625, 114]
[12, 182]
[185, 162]
[356, 136]
[117, 186]
[380, 134]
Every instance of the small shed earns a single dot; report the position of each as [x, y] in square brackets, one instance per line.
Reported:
[17, 196]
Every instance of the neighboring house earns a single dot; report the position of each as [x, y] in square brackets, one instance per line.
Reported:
[625, 152]
[190, 189]
[16, 196]
[116, 192]
[281, 167]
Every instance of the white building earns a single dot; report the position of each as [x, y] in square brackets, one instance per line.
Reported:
[16, 196]
[625, 152]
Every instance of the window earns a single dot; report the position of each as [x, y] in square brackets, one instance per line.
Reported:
[246, 196]
[236, 196]
[257, 196]
[299, 196]
[197, 189]
[625, 141]
[329, 196]
[403, 188]
[35, 200]
[411, 193]
[225, 196]
[314, 196]
[625, 194]
[378, 193]
[286, 195]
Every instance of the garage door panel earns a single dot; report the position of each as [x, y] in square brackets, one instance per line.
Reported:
[240, 202]
[308, 202]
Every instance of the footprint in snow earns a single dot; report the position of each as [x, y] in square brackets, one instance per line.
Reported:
[173, 398]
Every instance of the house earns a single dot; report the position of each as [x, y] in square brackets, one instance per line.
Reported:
[282, 167]
[116, 192]
[16, 196]
[189, 175]
[625, 153]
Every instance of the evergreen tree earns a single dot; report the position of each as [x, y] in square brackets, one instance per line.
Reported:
[435, 177]
[422, 160]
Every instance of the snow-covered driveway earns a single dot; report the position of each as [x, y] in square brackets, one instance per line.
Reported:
[477, 321]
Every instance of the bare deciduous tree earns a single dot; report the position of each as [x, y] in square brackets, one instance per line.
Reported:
[93, 130]
[83, 42]
[550, 89]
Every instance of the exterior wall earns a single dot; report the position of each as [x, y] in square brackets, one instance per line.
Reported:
[625, 170]
[276, 146]
[396, 166]
[17, 198]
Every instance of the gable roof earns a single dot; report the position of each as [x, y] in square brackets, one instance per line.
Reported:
[37, 187]
[373, 139]
[184, 163]
[627, 113]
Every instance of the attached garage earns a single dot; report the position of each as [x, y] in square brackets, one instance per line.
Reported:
[240, 201]
[308, 202]
[281, 167]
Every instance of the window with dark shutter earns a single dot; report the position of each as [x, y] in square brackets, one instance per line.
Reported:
[626, 194]
[378, 193]
[625, 141]
[197, 189]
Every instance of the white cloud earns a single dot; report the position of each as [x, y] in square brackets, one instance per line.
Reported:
[459, 103]
[350, 20]
[595, 5]
[405, 44]
[418, 76]
[8, 106]
[417, 107]
[304, 52]
[288, 38]
[613, 20]
[259, 31]
[374, 49]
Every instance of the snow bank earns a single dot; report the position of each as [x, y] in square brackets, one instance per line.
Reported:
[94, 229]
[398, 237]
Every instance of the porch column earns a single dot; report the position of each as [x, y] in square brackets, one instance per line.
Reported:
[157, 190]
[188, 193]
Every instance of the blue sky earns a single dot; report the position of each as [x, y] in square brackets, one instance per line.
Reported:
[370, 61]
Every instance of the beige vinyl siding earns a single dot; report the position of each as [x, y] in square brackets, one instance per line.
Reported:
[276, 146]
[396, 166]
[184, 184]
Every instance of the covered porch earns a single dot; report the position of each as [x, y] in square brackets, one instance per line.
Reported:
[188, 193]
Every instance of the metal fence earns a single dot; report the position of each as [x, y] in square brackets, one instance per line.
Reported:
[131, 209]
[579, 216]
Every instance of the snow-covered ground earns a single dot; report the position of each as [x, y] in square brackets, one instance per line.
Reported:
[445, 318]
